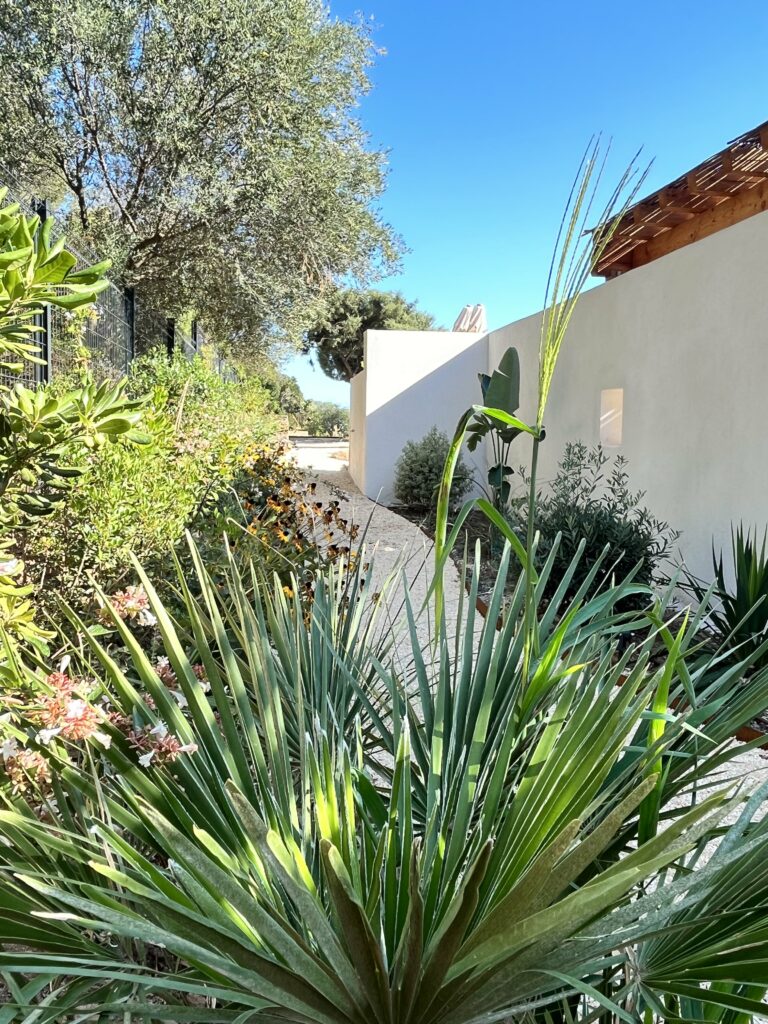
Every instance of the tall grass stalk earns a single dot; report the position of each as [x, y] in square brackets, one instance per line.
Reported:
[578, 249]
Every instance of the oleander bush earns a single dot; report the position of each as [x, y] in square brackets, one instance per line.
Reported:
[420, 467]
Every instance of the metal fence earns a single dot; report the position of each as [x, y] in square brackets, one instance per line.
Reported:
[115, 330]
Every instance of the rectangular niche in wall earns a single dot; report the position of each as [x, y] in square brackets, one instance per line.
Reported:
[611, 417]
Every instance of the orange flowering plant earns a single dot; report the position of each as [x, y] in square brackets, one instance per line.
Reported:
[276, 518]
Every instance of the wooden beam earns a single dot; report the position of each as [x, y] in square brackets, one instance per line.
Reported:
[731, 173]
[745, 175]
[645, 230]
[668, 205]
[738, 208]
[702, 190]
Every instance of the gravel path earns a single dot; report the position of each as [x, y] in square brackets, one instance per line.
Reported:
[395, 544]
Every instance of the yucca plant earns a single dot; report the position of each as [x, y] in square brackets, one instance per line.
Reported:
[739, 615]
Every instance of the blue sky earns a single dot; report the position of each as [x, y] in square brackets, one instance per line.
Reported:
[486, 107]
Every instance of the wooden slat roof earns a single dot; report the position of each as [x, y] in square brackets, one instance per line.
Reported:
[728, 187]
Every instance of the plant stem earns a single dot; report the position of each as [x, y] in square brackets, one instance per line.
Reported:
[529, 596]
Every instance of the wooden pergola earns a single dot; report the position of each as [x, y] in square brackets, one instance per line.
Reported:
[723, 190]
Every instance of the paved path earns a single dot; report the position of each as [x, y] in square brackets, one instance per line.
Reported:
[396, 544]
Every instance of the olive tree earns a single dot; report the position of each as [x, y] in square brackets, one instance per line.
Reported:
[185, 137]
[338, 335]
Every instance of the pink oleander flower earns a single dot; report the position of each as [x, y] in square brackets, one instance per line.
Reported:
[132, 604]
[165, 672]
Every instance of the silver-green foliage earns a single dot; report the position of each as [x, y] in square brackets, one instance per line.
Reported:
[185, 137]
[419, 469]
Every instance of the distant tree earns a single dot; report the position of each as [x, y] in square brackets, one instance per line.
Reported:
[326, 419]
[188, 136]
[284, 390]
[290, 400]
[337, 338]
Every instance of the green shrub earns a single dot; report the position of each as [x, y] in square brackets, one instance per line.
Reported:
[419, 468]
[203, 403]
[45, 437]
[140, 500]
[589, 500]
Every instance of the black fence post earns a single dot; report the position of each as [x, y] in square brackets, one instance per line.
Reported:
[170, 336]
[129, 315]
[43, 319]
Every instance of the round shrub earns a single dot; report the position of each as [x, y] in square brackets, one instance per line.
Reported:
[591, 500]
[420, 467]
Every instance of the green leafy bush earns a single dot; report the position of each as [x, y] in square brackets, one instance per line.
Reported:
[204, 404]
[284, 392]
[44, 437]
[420, 467]
[140, 500]
[590, 503]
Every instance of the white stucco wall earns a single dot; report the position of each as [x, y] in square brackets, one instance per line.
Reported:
[413, 380]
[686, 337]
[357, 431]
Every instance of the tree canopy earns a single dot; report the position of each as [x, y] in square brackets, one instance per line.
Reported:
[337, 337]
[183, 137]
